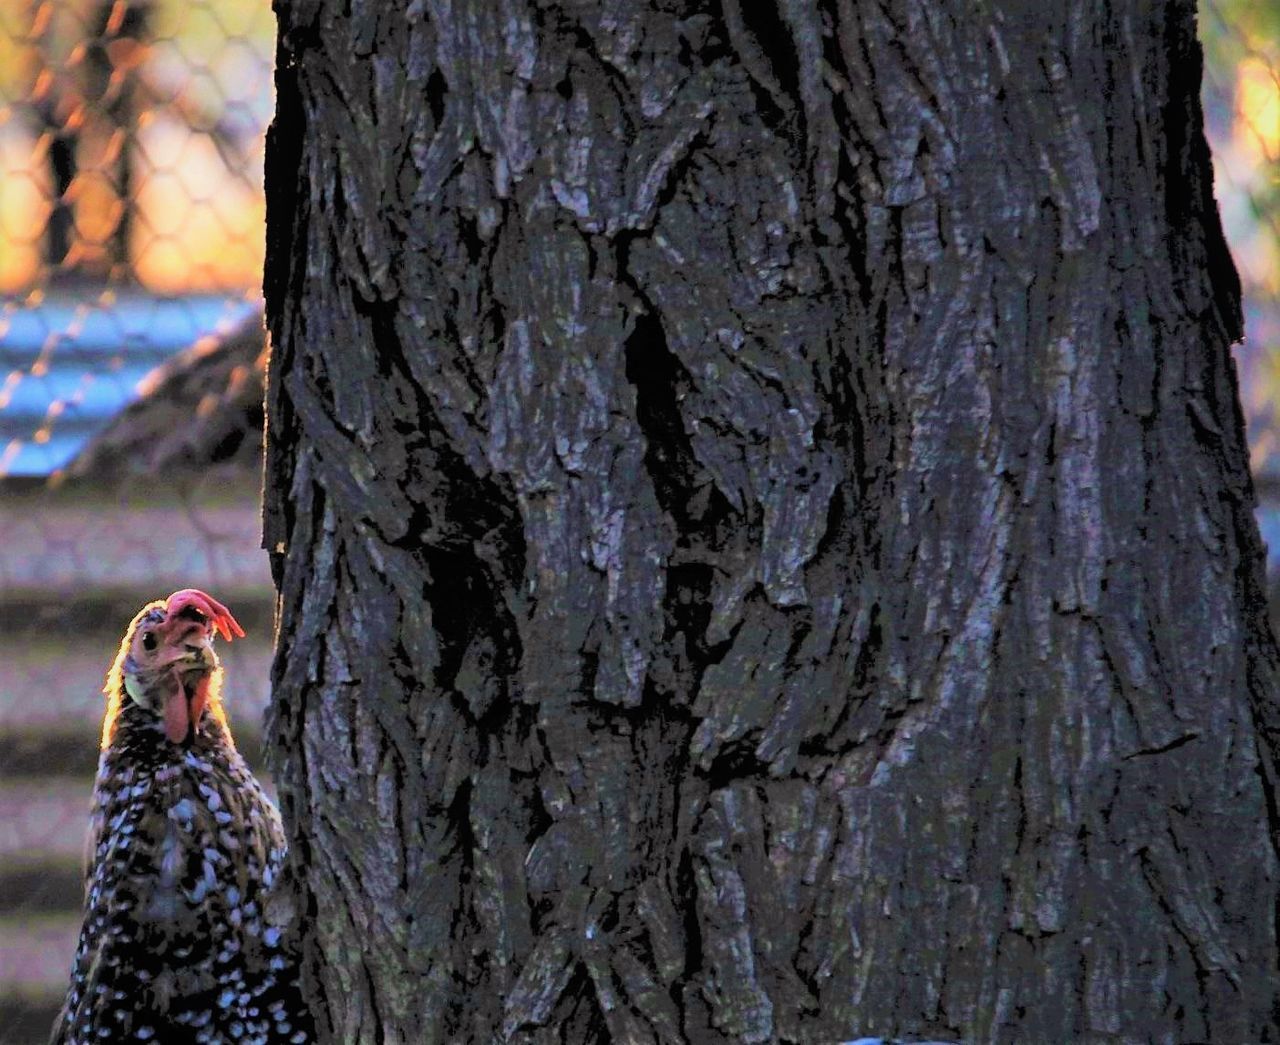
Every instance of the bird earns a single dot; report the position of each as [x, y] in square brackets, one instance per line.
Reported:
[188, 934]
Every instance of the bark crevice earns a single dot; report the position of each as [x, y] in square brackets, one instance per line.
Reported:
[762, 526]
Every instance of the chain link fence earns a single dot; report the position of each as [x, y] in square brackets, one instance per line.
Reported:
[131, 237]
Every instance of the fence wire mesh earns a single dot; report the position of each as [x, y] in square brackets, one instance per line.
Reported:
[131, 237]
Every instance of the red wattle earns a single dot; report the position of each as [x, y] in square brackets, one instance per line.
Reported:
[199, 699]
[176, 721]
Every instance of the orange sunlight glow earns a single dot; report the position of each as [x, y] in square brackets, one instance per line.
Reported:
[195, 212]
[196, 226]
[24, 210]
[1245, 162]
[1258, 110]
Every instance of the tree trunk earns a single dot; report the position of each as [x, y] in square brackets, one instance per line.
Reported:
[763, 526]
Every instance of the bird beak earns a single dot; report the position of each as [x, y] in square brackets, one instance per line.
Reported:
[188, 647]
[188, 655]
[191, 650]
[220, 617]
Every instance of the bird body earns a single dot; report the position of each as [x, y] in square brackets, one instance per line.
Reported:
[185, 937]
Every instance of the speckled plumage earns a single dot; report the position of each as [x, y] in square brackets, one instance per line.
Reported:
[184, 938]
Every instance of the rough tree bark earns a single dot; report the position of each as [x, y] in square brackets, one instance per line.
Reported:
[762, 524]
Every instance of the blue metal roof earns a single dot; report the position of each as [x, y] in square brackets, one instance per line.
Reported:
[71, 364]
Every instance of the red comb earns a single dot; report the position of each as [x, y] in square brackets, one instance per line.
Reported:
[221, 616]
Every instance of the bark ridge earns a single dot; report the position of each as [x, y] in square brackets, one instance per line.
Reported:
[763, 528]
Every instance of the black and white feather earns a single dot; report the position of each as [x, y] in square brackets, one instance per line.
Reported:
[186, 937]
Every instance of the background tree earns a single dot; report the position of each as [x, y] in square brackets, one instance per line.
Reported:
[763, 530]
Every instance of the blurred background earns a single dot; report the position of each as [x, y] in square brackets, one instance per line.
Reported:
[131, 240]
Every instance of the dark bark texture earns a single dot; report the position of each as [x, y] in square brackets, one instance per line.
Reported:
[763, 526]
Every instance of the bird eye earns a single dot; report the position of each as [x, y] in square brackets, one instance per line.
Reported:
[148, 641]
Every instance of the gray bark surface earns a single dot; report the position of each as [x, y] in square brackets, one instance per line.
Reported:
[763, 527]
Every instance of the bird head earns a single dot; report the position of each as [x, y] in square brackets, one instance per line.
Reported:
[167, 664]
